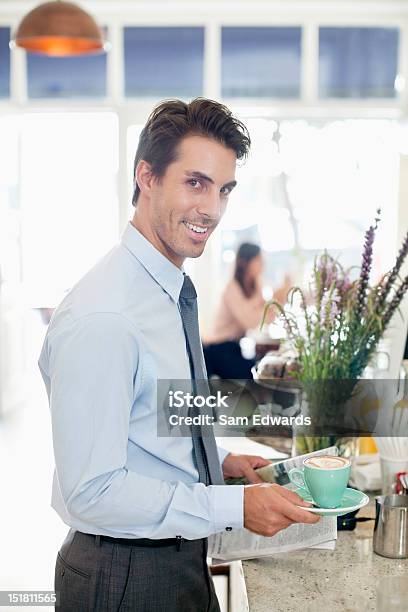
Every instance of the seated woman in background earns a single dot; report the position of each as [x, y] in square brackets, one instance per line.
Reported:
[240, 309]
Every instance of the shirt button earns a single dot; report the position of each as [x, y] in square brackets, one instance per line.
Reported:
[228, 529]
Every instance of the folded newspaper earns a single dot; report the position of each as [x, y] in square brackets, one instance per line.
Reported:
[243, 544]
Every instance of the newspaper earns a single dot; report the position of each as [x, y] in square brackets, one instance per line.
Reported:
[243, 544]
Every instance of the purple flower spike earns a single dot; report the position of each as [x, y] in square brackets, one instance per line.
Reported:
[365, 270]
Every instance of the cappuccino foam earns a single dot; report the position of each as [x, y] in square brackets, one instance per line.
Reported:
[327, 462]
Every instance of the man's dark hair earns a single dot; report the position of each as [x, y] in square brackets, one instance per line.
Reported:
[173, 120]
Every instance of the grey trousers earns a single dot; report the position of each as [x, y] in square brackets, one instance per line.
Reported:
[92, 577]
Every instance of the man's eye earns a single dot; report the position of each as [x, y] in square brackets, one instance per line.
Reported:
[194, 183]
[225, 190]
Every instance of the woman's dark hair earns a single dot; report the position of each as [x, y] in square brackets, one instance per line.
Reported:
[173, 120]
[246, 252]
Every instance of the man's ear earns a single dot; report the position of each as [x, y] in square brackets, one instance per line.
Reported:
[144, 177]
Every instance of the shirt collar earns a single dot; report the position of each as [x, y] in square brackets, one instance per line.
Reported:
[161, 269]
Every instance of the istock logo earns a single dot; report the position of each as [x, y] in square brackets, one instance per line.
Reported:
[179, 399]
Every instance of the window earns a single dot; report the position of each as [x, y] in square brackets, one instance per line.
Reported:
[4, 63]
[81, 76]
[261, 62]
[69, 164]
[358, 62]
[162, 62]
[311, 186]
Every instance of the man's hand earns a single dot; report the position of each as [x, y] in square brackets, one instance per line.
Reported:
[268, 508]
[235, 466]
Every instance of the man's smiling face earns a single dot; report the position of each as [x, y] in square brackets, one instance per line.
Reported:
[179, 212]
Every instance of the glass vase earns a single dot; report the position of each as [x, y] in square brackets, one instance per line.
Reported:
[327, 428]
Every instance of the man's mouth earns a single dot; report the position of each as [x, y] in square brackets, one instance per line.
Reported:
[197, 229]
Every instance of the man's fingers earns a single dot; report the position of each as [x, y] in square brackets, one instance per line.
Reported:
[252, 476]
[291, 496]
[266, 512]
[295, 514]
[260, 462]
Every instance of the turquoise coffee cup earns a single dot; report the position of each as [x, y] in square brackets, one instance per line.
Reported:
[324, 477]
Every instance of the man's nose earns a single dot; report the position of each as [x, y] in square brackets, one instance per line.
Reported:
[210, 206]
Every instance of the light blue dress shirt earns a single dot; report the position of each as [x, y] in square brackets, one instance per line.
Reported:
[114, 335]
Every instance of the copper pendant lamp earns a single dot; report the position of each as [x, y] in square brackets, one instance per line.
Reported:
[60, 29]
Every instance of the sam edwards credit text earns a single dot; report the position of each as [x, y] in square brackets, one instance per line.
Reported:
[240, 421]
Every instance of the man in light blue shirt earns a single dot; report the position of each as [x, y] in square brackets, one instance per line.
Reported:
[130, 497]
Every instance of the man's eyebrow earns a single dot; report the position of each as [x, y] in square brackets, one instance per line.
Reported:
[230, 185]
[204, 177]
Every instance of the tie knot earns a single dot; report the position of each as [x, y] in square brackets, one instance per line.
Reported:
[188, 290]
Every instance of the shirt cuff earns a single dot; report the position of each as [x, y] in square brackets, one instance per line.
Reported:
[227, 506]
[222, 453]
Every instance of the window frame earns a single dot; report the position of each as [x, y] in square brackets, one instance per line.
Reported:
[212, 16]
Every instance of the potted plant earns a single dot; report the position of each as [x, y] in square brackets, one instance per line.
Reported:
[338, 332]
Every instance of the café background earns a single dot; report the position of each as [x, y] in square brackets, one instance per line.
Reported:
[322, 87]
